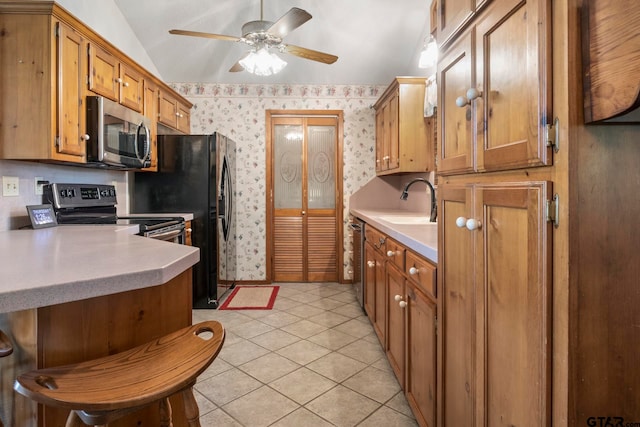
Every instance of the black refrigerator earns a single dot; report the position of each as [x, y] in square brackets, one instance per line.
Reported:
[197, 174]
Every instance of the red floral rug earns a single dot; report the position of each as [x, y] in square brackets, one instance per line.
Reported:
[251, 298]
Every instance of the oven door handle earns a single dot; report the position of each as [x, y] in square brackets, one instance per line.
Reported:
[166, 235]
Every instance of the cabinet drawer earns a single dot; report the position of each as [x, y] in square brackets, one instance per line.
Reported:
[422, 272]
[395, 253]
[376, 238]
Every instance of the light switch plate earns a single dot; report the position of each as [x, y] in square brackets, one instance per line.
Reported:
[10, 186]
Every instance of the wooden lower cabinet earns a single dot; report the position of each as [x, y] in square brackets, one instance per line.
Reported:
[495, 332]
[406, 296]
[375, 290]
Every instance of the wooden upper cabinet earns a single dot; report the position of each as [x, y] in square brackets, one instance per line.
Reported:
[495, 91]
[71, 133]
[173, 113]
[404, 137]
[114, 79]
[42, 75]
[611, 63]
[453, 15]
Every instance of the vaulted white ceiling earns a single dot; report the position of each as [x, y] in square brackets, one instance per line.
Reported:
[375, 40]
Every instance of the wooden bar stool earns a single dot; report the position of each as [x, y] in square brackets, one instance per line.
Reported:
[102, 390]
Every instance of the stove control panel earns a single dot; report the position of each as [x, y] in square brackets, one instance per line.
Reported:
[63, 196]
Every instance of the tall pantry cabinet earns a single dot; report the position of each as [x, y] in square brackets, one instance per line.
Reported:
[538, 262]
[495, 240]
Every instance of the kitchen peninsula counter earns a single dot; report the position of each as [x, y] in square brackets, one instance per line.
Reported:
[421, 238]
[78, 292]
[69, 263]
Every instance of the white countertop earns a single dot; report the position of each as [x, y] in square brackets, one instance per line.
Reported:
[69, 263]
[421, 238]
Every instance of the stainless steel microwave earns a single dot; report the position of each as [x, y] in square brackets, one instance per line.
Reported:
[117, 136]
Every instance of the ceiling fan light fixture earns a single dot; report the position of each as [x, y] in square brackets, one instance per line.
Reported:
[262, 63]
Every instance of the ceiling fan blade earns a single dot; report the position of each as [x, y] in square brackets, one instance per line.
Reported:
[289, 22]
[237, 67]
[206, 35]
[313, 55]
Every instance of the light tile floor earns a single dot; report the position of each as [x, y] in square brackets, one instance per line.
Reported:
[314, 360]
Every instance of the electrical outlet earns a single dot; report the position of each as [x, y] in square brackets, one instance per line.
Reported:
[38, 187]
[10, 186]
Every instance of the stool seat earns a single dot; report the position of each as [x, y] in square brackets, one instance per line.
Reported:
[105, 389]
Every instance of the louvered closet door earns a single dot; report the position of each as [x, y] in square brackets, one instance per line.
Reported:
[304, 197]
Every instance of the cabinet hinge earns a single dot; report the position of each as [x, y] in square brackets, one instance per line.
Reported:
[552, 135]
[553, 210]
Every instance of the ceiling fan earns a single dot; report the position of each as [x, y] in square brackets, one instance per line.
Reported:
[264, 35]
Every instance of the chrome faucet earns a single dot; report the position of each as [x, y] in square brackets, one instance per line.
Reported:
[434, 207]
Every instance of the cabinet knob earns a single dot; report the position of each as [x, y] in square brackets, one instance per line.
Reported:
[473, 94]
[188, 230]
[473, 224]
[85, 137]
[371, 264]
[398, 298]
[390, 253]
[402, 304]
[462, 102]
[413, 271]
[461, 222]
[119, 80]
[125, 84]
[350, 271]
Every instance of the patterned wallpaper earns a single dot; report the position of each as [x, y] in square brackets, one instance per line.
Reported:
[238, 111]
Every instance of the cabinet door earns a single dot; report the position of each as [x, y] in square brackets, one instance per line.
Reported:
[513, 276]
[131, 88]
[513, 71]
[455, 71]
[370, 282]
[103, 73]
[379, 139]
[420, 384]
[70, 92]
[392, 134]
[396, 298]
[380, 323]
[183, 119]
[452, 15]
[167, 110]
[457, 356]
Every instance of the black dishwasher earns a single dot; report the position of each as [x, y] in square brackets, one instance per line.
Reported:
[357, 245]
